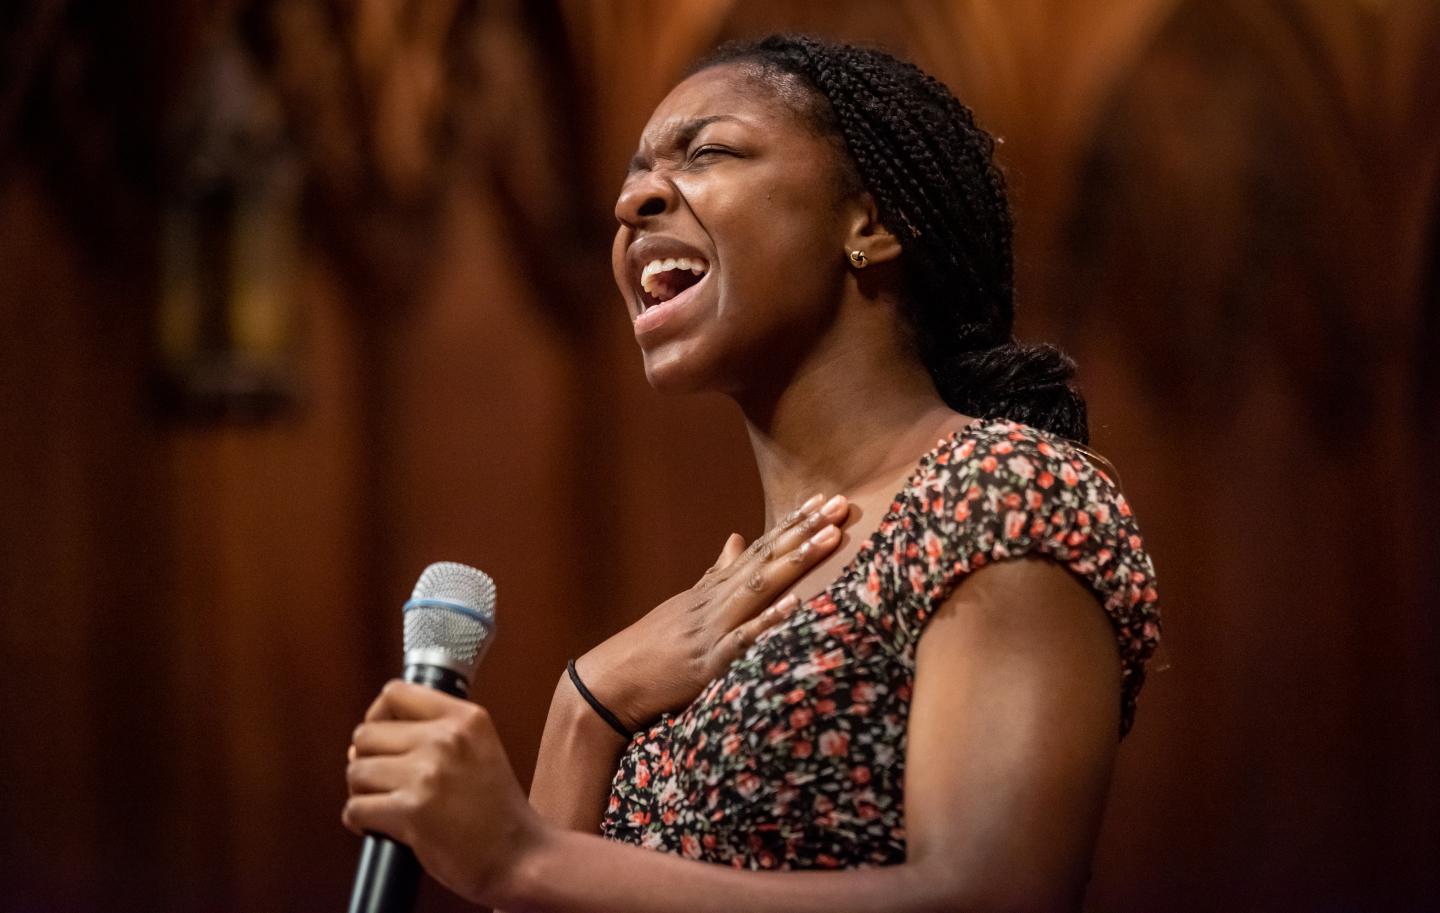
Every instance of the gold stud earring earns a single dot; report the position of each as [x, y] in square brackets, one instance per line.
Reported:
[858, 258]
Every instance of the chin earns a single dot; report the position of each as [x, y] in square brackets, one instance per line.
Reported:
[676, 372]
[673, 379]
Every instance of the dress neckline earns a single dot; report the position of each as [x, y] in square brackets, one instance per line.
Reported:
[892, 513]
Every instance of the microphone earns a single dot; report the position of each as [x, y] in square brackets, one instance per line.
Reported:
[449, 624]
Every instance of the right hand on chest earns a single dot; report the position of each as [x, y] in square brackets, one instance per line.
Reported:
[661, 662]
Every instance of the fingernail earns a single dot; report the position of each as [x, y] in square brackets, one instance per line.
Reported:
[833, 505]
[783, 608]
[826, 536]
[809, 505]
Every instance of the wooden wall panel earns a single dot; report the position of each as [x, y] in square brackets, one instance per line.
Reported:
[479, 466]
[268, 630]
[1225, 254]
[52, 470]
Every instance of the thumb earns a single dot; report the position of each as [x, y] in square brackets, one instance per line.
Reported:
[734, 548]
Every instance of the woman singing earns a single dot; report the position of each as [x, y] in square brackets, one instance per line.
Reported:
[904, 699]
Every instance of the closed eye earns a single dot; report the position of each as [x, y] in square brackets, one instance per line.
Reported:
[711, 150]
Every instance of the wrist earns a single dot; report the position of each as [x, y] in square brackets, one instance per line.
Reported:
[605, 713]
[580, 719]
[518, 891]
[618, 694]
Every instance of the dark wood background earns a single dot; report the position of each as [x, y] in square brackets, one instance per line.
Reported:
[1229, 213]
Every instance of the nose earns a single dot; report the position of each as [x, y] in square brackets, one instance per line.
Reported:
[644, 196]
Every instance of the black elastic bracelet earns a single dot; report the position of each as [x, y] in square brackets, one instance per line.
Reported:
[598, 707]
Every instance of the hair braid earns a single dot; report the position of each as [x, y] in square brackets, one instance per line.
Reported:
[931, 171]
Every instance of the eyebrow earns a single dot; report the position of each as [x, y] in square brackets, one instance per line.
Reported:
[678, 135]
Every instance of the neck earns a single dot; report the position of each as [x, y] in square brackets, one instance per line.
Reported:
[848, 421]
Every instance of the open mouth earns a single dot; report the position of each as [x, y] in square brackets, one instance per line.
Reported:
[664, 280]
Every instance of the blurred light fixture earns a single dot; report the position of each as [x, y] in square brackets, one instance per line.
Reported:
[227, 328]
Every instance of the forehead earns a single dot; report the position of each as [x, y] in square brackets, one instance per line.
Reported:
[728, 92]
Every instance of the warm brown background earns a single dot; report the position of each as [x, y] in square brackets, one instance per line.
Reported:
[1230, 214]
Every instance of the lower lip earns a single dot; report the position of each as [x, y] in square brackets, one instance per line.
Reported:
[652, 318]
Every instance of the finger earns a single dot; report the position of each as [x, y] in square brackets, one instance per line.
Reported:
[756, 587]
[764, 545]
[747, 633]
[791, 534]
[407, 701]
[834, 511]
[365, 776]
[796, 529]
[377, 814]
[385, 737]
[734, 548]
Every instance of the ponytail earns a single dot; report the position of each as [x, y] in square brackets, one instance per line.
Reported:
[1032, 384]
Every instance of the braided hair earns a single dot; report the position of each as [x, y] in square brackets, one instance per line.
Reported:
[931, 171]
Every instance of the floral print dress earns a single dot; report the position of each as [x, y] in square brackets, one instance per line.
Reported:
[794, 757]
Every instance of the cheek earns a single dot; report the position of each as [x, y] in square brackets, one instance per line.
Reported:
[781, 243]
[617, 264]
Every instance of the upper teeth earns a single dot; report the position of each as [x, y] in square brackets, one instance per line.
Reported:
[656, 267]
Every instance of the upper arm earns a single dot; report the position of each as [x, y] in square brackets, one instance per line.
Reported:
[1011, 737]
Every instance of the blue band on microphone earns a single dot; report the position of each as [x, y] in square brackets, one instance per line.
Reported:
[433, 602]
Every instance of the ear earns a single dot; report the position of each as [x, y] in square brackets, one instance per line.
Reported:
[867, 233]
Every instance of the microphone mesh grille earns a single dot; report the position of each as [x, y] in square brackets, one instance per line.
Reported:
[458, 633]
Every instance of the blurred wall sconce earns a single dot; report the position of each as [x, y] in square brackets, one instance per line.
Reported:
[227, 328]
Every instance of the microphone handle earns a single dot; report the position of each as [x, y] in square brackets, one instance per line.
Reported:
[388, 877]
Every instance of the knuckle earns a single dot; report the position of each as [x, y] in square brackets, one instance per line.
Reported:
[409, 804]
[470, 722]
[410, 801]
[452, 737]
[697, 659]
[428, 775]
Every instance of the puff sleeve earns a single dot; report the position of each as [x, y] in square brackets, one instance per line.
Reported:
[1003, 491]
